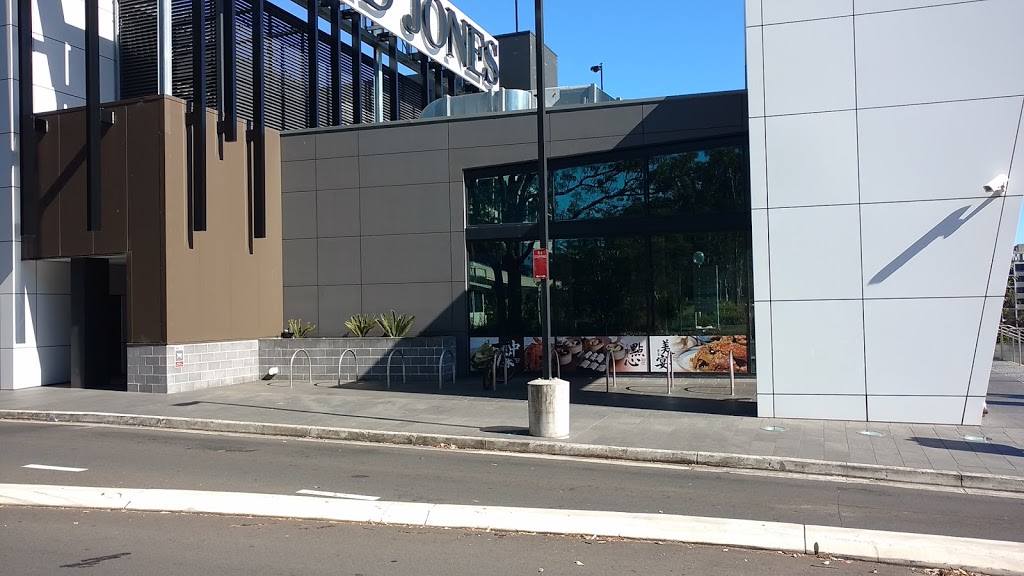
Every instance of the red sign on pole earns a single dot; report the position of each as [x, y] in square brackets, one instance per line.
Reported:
[540, 263]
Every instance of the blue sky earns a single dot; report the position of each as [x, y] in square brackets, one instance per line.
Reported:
[668, 47]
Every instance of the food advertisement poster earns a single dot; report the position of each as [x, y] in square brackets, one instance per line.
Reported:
[481, 352]
[590, 354]
[699, 353]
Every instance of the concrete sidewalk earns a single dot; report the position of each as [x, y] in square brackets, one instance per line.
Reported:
[637, 415]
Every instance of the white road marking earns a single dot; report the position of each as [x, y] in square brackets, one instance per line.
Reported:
[338, 495]
[54, 468]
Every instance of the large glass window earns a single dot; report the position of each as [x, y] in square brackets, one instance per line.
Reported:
[600, 286]
[604, 190]
[508, 198]
[627, 266]
[699, 182]
[701, 283]
[503, 296]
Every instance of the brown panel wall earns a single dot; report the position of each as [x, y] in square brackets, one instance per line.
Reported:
[220, 282]
[144, 179]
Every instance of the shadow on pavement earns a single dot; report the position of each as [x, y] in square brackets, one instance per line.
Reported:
[964, 446]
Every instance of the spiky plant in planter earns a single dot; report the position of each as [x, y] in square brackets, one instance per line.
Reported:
[395, 325]
[299, 328]
[361, 324]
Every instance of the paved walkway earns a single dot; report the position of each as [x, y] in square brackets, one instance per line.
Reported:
[636, 414]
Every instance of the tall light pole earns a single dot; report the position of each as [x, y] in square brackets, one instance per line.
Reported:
[599, 68]
[517, 15]
[542, 188]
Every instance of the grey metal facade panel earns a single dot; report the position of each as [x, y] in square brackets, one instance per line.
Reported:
[468, 158]
[339, 144]
[337, 173]
[458, 244]
[560, 148]
[298, 147]
[337, 213]
[457, 202]
[391, 140]
[407, 258]
[300, 302]
[414, 209]
[710, 111]
[403, 169]
[298, 212]
[655, 138]
[299, 176]
[429, 302]
[336, 305]
[491, 131]
[299, 261]
[460, 301]
[338, 261]
[596, 122]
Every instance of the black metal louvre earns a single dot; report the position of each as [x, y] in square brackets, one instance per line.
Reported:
[286, 64]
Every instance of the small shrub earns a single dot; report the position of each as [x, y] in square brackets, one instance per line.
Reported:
[395, 325]
[299, 328]
[361, 324]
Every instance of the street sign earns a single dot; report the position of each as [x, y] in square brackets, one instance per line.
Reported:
[540, 263]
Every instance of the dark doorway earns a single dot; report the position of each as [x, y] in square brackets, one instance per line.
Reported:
[97, 323]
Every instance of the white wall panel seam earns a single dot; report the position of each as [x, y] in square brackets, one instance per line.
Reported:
[909, 8]
[767, 223]
[860, 218]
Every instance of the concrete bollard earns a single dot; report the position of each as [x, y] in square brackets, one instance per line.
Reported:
[549, 408]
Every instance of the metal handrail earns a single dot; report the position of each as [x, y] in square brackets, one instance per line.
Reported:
[355, 362]
[609, 368]
[1014, 336]
[440, 369]
[291, 366]
[392, 355]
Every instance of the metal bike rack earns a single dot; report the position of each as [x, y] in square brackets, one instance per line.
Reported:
[670, 372]
[440, 369]
[732, 376]
[355, 362]
[498, 354]
[291, 366]
[609, 368]
[390, 356]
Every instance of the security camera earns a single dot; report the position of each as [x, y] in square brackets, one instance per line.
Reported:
[998, 184]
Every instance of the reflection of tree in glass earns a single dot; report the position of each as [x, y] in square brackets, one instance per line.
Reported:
[511, 307]
[699, 181]
[601, 286]
[599, 190]
[509, 199]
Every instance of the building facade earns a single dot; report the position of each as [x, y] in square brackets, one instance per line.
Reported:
[837, 230]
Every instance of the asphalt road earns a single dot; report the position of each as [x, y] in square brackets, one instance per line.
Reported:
[121, 457]
[43, 542]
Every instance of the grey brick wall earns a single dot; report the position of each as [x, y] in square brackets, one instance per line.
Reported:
[422, 356]
[208, 365]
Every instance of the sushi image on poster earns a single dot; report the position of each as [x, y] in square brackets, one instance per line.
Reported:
[481, 353]
[699, 353]
[590, 355]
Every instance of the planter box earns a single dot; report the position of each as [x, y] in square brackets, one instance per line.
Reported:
[421, 357]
